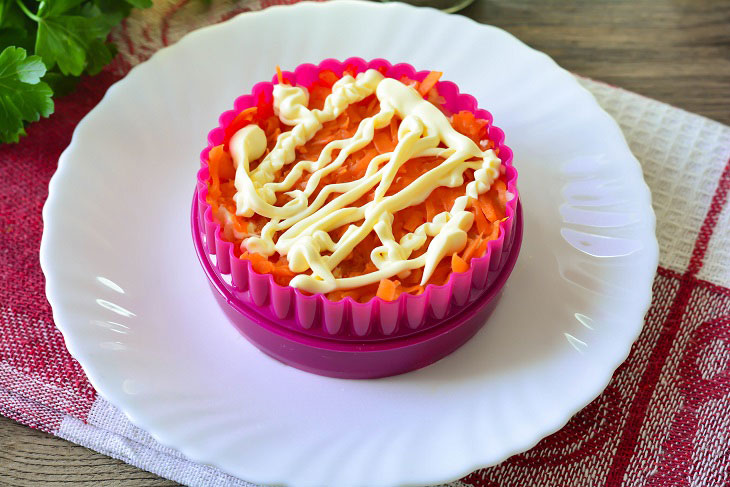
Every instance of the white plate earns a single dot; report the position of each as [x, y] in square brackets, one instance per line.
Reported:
[136, 311]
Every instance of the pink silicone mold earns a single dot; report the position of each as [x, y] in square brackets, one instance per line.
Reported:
[348, 320]
[349, 359]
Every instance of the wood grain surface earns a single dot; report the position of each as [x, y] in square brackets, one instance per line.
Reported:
[677, 51]
[32, 458]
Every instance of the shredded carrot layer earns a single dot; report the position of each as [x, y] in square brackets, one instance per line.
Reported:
[387, 290]
[429, 82]
[458, 264]
[488, 209]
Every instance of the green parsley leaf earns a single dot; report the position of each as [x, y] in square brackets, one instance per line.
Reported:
[23, 96]
[106, 14]
[73, 36]
[61, 84]
[53, 8]
[99, 55]
[66, 39]
[16, 29]
[116, 9]
[140, 3]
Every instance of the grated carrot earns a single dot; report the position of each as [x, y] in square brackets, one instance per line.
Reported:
[283, 271]
[264, 106]
[394, 129]
[482, 223]
[429, 82]
[263, 266]
[413, 221]
[223, 162]
[328, 78]
[384, 143]
[458, 264]
[495, 231]
[482, 249]
[417, 289]
[430, 210]
[471, 247]
[467, 124]
[244, 118]
[501, 189]
[386, 290]
[488, 209]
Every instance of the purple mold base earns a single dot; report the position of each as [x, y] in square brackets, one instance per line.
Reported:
[347, 319]
[345, 359]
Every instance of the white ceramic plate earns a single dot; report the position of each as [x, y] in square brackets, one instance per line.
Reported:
[136, 311]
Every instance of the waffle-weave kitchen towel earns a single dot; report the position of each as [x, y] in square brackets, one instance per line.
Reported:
[664, 419]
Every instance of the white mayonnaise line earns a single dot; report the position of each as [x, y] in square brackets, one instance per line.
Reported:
[422, 129]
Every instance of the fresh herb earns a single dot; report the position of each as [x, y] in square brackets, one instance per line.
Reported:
[67, 37]
[23, 96]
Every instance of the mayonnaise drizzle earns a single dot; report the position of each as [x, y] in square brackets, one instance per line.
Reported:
[305, 226]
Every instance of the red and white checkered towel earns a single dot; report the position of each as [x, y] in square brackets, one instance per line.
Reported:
[664, 419]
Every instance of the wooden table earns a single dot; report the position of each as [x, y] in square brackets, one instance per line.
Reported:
[677, 51]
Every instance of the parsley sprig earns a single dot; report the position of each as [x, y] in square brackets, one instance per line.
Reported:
[68, 38]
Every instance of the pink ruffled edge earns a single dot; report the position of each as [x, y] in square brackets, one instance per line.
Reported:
[347, 319]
